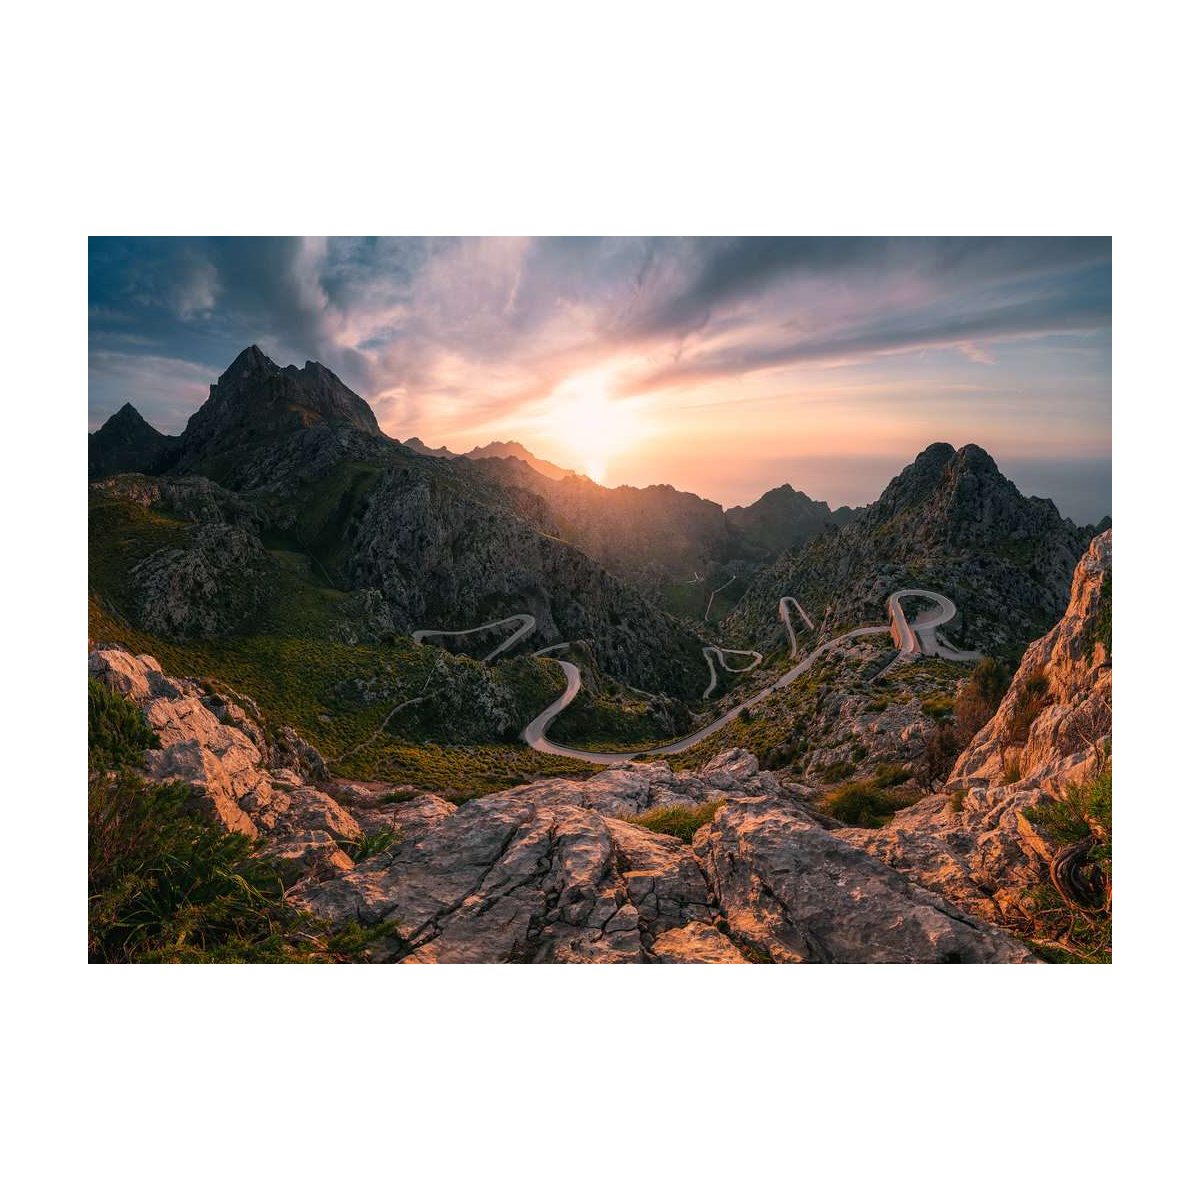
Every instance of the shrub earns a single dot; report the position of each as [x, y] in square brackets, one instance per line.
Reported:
[118, 735]
[370, 844]
[956, 799]
[892, 774]
[979, 697]
[1032, 697]
[864, 804]
[836, 771]
[1072, 913]
[938, 705]
[1104, 620]
[678, 820]
[166, 885]
[941, 749]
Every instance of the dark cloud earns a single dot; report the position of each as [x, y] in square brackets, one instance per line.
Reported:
[473, 326]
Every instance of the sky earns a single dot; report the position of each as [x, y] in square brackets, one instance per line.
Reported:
[724, 366]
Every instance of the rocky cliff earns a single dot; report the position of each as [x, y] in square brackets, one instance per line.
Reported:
[554, 871]
[978, 843]
[256, 400]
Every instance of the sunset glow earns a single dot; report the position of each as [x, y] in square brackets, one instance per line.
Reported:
[723, 366]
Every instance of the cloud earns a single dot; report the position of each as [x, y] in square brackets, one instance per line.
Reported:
[474, 331]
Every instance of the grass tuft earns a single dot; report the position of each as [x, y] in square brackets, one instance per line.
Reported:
[678, 820]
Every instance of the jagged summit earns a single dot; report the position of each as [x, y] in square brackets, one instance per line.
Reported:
[125, 442]
[256, 400]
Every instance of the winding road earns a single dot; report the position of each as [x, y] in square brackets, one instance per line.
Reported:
[719, 652]
[912, 639]
[920, 636]
[712, 594]
[526, 626]
[784, 601]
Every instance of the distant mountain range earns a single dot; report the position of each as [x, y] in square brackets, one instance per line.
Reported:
[456, 540]
[493, 450]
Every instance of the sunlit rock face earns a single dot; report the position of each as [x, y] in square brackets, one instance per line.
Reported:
[974, 843]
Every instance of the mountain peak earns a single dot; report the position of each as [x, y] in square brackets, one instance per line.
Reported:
[125, 442]
[255, 400]
[252, 360]
[128, 418]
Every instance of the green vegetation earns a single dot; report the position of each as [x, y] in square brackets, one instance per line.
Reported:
[118, 735]
[836, 771]
[973, 706]
[597, 721]
[1033, 696]
[892, 774]
[678, 820]
[1104, 620]
[168, 885]
[370, 844]
[1071, 913]
[868, 805]
[979, 697]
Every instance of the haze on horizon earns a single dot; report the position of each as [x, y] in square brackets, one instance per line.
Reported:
[724, 366]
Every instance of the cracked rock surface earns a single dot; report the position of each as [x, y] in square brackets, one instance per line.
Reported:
[549, 872]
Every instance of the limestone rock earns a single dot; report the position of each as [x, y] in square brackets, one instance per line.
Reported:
[696, 943]
[211, 744]
[1067, 735]
[504, 879]
[797, 893]
[975, 845]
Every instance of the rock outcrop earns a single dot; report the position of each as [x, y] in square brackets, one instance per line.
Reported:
[797, 893]
[975, 844]
[547, 872]
[210, 586]
[213, 745]
[553, 871]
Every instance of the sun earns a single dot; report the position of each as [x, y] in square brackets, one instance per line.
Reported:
[594, 427]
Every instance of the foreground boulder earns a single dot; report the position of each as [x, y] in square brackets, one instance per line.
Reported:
[503, 879]
[542, 873]
[212, 744]
[796, 893]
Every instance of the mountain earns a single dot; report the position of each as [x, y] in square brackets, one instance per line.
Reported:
[418, 447]
[408, 540]
[652, 535]
[493, 450]
[949, 521]
[783, 518]
[516, 450]
[125, 442]
[256, 401]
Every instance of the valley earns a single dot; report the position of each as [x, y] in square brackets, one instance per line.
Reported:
[401, 630]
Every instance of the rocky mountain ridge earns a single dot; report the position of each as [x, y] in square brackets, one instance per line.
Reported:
[783, 518]
[949, 521]
[508, 449]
